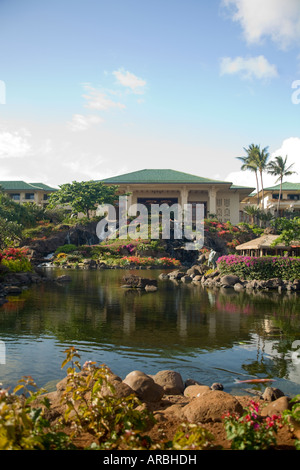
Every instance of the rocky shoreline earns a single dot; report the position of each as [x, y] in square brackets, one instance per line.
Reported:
[173, 402]
[197, 274]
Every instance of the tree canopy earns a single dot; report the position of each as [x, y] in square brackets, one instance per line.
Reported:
[83, 196]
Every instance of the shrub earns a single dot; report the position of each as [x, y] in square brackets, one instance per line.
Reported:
[16, 260]
[111, 421]
[69, 248]
[23, 427]
[261, 268]
[251, 431]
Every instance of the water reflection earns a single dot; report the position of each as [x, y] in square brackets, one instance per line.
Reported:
[196, 331]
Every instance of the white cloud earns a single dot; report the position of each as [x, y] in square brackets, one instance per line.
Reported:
[14, 144]
[252, 67]
[130, 80]
[99, 100]
[82, 123]
[277, 19]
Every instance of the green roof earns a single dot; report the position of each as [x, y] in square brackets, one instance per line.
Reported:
[285, 187]
[23, 186]
[159, 176]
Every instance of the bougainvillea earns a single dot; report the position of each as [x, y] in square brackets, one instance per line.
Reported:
[265, 267]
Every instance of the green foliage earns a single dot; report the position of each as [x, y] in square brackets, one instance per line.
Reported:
[16, 260]
[24, 427]
[192, 437]
[69, 248]
[92, 407]
[288, 229]
[251, 431]
[83, 196]
[292, 417]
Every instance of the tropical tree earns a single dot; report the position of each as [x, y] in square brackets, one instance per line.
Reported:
[256, 160]
[253, 212]
[261, 161]
[249, 163]
[83, 196]
[278, 167]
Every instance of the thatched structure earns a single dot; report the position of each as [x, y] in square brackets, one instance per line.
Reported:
[262, 246]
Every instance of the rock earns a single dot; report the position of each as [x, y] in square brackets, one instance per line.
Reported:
[186, 278]
[197, 278]
[163, 276]
[274, 283]
[229, 280]
[119, 388]
[64, 278]
[194, 271]
[196, 390]
[211, 406]
[144, 386]
[276, 407]
[189, 382]
[176, 274]
[217, 386]
[139, 282]
[238, 287]
[271, 394]
[12, 290]
[170, 381]
[150, 288]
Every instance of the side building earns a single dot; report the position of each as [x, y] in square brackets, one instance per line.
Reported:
[22, 192]
[289, 198]
[157, 186]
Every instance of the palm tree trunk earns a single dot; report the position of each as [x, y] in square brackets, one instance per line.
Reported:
[262, 190]
[279, 199]
[257, 188]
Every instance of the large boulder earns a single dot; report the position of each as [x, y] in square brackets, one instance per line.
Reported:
[170, 381]
[138, 282]
[144, 386]
[276, 407]
[229, 280]
[211, 406]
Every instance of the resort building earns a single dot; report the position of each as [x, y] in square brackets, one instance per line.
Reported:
[157, 186]
[289, 200]
[22, 192]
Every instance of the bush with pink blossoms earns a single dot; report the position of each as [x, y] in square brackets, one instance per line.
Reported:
[251, 431]
[261, 268]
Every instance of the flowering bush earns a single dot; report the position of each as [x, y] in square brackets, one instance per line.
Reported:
[148, 261]
[265, 267]
[251, 431]
[16, 259]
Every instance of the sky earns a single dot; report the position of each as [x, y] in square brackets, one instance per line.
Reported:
[96, 88]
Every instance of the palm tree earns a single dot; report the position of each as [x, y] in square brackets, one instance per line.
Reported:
[279, 168]
[249, 163]
[253, 212]
[261, 160]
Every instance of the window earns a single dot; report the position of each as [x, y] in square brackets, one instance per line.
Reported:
[293, 197]
[29, 196]
[16, 196]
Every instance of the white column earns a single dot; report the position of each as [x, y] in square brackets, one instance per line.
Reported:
[212, 200]
[184, 194]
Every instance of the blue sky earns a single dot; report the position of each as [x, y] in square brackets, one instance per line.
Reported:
[92, 89]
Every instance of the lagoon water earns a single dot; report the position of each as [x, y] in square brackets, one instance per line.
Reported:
[207, 335]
